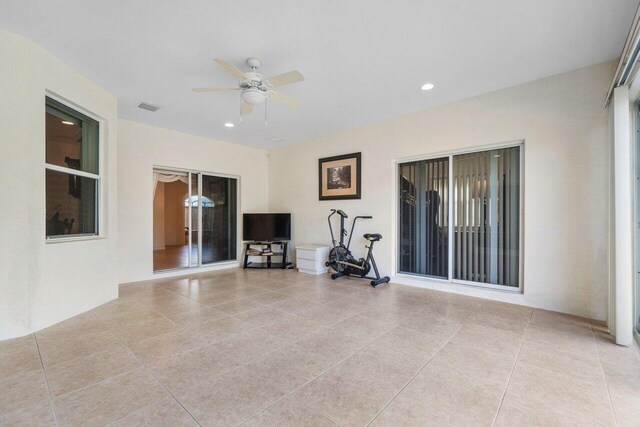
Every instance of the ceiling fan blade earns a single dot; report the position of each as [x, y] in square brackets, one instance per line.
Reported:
[283, 99]
[231, 69]
[285, 79]
[213, 89]
[246, 108]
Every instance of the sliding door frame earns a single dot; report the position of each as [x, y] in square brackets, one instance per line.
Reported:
[450, 155]
[200, 173]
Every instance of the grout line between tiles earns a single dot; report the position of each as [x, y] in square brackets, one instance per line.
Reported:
[46, 379]
[504, 393]
[425, 365]
[604, 376]
[159, 382]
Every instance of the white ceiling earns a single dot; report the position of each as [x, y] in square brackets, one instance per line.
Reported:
[363, 60]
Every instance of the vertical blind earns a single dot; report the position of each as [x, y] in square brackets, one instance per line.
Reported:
[487, 216]
[424, 217]
[485, 208]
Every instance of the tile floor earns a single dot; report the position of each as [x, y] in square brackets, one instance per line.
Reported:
[279, 348]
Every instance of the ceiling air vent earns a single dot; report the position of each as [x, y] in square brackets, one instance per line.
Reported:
[147, 106]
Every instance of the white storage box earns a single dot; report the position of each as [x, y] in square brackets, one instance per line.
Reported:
[310, 259]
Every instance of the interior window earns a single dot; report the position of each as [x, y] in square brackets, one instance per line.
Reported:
[72, 174]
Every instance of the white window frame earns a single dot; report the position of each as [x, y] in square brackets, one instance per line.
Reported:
[450, 280]
[99, 214]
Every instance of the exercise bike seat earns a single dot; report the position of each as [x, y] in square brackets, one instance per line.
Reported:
[373, 237]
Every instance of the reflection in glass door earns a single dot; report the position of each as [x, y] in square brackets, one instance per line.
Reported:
[194, 219]
[424, 217]
[218, 218]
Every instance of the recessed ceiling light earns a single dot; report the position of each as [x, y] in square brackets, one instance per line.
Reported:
[67, 122]
[427, 86]
[229, 125]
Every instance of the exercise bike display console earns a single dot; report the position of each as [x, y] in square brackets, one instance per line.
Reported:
[343, 262]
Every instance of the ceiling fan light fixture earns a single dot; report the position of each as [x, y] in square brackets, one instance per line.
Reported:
[229, 125]
[253, 96]
[427, 86]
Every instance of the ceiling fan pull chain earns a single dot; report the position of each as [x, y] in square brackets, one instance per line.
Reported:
[241, 109]
[265, 111]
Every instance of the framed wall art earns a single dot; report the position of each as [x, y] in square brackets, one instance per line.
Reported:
[339, 177]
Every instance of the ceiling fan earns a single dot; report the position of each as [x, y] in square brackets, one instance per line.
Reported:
[254, 88]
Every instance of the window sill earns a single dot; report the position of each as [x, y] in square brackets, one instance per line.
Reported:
[72, 239]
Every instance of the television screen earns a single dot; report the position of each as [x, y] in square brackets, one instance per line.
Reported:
[266, 227]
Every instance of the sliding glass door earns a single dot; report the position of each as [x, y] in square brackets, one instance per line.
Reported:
[200, 207]
[459, 217]
[424, 217]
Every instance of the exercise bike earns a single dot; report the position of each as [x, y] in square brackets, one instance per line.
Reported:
[343, 262]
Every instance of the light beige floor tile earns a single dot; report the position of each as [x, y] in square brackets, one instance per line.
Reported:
[168, 413]
[109, 400]
[85, 323]
[263, 316]
[219, 329]
[157, 349]
[78, 373]
[22, 391]
[269, 297]
[498, 320]
[562, 360]
[140, 331]
[188, 369]
[414, 343]
[296, 305]
[132, 316]
[347, 400]
[486, 367]
[451, 394]
[289, 368]
[18, 356]
[173, 305]
[432, 324]
[407, 411]
[197, 317]
[293, 328]
[576, 342]
[37, 415]
[288, 412]
[458, 312]
[54, 350]
[359, 326]
[230, 399]
[490, 339]
[547, 391]
[560, 321]
[387, 367]
[332, 346]
[237, 306]
[506, 310]
[512, 414]
[250, 345]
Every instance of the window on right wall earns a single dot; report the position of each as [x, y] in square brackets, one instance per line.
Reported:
[459, 217]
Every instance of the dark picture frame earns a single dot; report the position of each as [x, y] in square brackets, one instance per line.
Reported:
[340, 177]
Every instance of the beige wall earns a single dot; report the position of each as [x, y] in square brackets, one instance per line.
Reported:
[43, 283]
[141, 147]
[563, 123]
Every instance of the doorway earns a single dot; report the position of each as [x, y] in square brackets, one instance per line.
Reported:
[194, 219]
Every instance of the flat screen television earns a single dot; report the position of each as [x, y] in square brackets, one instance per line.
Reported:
[266, 227]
